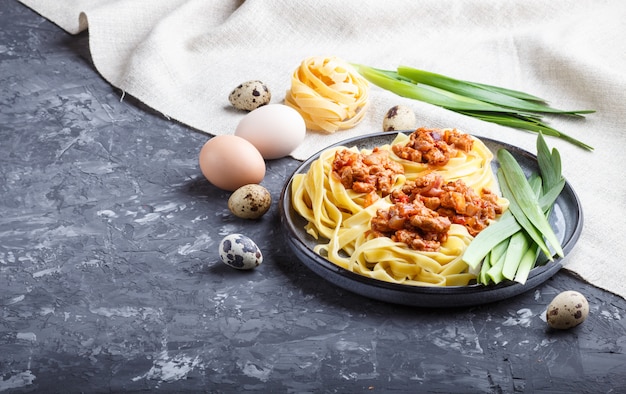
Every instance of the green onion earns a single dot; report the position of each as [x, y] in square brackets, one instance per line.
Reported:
[498, 255]
[549, 165]
[510, 92]
[487, 239]
[489, 103]
[505, 227]
[519, 243]
[429, 94]
[483, 276]
[526, 264]
[532, 216]
[523, 237]
[520, 211]
[469, 89]
[524, 122]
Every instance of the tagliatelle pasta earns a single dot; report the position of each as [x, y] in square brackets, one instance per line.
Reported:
[328, 93]
[340, 220]
[473, 167]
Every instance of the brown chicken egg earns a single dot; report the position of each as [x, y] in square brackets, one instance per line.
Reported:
[229, 162]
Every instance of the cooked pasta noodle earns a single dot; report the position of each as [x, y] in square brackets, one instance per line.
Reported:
[340, 221]
[328, 93]
[473, 167]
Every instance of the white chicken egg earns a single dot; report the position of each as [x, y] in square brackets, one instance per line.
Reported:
[274, 129]
[240, 252]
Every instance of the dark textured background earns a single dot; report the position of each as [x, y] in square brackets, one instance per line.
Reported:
[110, 279]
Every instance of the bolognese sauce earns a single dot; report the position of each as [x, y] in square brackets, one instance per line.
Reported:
[423, 211]
[433, 146]
[366, 173]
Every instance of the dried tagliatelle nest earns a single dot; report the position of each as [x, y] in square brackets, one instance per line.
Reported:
[329, 94]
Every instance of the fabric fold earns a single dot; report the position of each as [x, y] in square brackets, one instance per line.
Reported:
[184, 57]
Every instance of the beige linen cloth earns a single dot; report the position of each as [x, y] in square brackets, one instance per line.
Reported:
[183, 57]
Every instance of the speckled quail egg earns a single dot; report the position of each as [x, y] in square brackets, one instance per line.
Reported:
[240, 252]
[399, 117]
[250, 95]
[250, 201]
[568, 309]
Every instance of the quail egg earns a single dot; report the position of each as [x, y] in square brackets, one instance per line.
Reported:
[240, 252]
[250, 201]
[568, 309]
[399, 117]
[250, 95]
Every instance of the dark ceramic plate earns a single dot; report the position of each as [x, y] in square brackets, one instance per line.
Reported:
[566, 219]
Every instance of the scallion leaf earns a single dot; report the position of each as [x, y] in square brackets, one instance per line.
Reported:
[498, 255]
[483, 276]
[487, 239]
[429, 94]
[518, 245]
[465, 88]
[523, 195]
[514, 228]
[489, 103]
[519, 208]
[526, 264]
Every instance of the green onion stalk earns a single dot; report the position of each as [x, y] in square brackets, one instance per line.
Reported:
[509, 247]
[489, 103]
